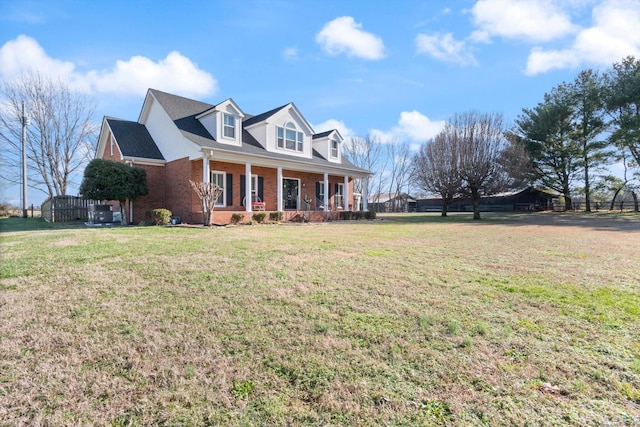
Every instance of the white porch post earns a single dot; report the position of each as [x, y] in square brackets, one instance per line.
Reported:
[365, 194]
[206, 176]
[247, 186]
[347, 202]
[326, 192]
[279, 184]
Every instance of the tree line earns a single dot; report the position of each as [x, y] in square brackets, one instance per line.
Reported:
[567, 139]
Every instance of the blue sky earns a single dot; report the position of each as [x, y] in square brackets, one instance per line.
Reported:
[394, 69]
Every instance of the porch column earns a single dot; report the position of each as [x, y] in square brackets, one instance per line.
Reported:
[326, 192]
[347, 202]
[279, 184]
[247, 186]
[365, 194]
[206, 176]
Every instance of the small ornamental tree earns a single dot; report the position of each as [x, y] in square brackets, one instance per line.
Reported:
[109, 180]
[208, 193]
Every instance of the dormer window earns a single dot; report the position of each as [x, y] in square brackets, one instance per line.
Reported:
[229, 126]
[334, 148]
[289, 138]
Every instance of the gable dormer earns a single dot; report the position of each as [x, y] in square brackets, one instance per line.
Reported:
[224, 122]
[328, 145]
[282, 130]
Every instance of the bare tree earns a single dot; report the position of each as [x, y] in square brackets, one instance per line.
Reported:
[208, 193]
[367, 153]
[399, 156]
[481, 142]
[435, 169]
[60, 139]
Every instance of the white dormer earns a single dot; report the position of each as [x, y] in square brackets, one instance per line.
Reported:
[328, 145]
[224, 122]
[283, 131]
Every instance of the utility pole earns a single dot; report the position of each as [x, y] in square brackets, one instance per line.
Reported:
[25, 123]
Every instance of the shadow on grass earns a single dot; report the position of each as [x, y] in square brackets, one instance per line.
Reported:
[614, 221]
[35, 224]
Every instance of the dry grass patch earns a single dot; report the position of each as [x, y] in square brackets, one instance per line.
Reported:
[411, 320]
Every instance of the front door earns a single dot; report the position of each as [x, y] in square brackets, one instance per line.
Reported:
[290, 193]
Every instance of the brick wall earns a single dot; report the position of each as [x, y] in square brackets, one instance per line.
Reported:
[155, 184]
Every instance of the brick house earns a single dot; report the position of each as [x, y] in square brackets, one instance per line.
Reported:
[292, 169]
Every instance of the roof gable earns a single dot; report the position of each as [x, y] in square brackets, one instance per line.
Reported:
[133, 139]
[262, 117]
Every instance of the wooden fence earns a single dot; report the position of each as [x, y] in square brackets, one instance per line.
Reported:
[66, 208]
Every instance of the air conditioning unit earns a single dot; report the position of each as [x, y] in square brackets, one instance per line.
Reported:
[100, 214]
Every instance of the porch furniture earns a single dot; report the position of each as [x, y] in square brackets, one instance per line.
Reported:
[257, 205]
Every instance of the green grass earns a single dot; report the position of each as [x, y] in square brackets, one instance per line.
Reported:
[406, 320]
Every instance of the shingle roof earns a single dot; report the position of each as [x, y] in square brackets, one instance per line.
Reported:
[261, 117]
[323, 134]
[134, 139]
[183, 112]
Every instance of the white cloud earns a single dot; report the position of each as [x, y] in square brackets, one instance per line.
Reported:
[532, 20]
[290, 53]
[445, 48]
[541, 61]
[344, 35]
[25, 53]
[413, 126]
[334, 124]
[613, 36]
[176, 73]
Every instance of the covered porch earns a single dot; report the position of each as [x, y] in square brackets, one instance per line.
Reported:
[301, 193]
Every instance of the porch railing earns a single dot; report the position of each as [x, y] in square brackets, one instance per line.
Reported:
[319, 204]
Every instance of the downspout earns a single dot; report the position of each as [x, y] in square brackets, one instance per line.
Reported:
[130, 202]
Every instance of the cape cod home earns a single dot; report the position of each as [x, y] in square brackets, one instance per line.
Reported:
[272, 161]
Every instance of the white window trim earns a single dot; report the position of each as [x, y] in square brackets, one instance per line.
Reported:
[331, 149]
[298, 141]
[223, 203]
[225, 126]
[254, 187]
[111, 144]
[340, 194]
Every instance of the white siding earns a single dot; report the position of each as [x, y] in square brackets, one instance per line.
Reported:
[323, 146]
[210, 124]
[279, 120]
[168, 138]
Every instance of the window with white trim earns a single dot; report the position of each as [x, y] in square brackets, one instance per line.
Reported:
[219, 178]
[229, 126]
[334, 148]
[288, 138]
[111, 144]
[320, 195]
[339, 197]
[254, 188]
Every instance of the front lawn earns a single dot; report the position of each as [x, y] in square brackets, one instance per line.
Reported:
[405, 320]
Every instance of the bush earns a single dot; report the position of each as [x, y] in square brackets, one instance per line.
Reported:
[237, 218]
[276, 216]
[259, 217]
[346, 215]
[359, 215]
[158, 216]
[371, 214]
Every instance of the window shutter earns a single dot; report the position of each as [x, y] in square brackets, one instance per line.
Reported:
[318, 190]
[261, 188]
[242, 188]
[229, 189]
